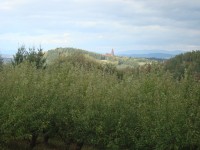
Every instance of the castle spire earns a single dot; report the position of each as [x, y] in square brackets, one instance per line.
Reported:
[112, 52]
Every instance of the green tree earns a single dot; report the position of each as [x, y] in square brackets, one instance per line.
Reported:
[1, 62]
[31, 56]
[36, 57]
[20, 56]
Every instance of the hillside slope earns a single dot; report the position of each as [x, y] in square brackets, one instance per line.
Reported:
[184, 63]
[119, 61]
[53, 54]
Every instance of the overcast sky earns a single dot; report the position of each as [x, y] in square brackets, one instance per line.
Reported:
[100, 25]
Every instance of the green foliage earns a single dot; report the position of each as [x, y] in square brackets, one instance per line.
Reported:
[20, 56]
[133, 62]
[119, 62]
[78, 101]
[1, 63]
[56, 53]
[189, 62]
[31, 56]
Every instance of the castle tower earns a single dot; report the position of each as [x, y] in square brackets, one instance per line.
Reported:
[112, 53]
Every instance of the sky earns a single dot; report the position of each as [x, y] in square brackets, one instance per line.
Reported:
[100, 25]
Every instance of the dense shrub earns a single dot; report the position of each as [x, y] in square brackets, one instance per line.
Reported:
[79, 101]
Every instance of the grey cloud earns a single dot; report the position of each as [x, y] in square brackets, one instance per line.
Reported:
[125, 22]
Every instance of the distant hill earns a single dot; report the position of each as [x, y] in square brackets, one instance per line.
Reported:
[152, 55]
[53, 54]
[161, 54]
[119, 61]
[6, 58]
[182, 64]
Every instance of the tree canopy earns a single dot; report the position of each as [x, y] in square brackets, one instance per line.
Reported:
[78, 101]
[188, 62]
[31, 55]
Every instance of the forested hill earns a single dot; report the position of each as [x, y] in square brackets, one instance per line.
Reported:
[187, 63]
[54, 53]
[119, 61]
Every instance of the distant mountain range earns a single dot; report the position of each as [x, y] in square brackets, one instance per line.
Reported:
[7, 58]
[161, 54]
[158, 54]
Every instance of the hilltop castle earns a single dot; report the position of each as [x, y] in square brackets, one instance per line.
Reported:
[110, 54]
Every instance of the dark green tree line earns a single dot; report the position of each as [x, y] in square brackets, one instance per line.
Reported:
[31, 55]
[1, 62]
[188, 62]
